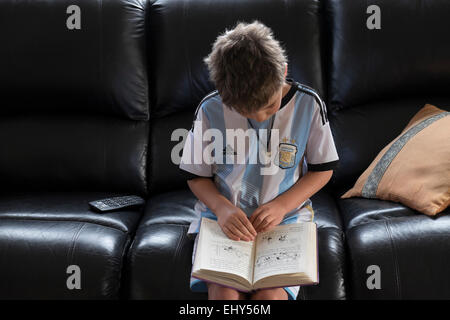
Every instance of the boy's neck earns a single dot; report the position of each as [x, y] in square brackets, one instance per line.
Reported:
[286, 88]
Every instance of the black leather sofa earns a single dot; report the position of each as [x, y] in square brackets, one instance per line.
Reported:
[89, 113]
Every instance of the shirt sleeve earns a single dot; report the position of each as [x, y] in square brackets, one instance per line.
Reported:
[321, 154]
[193, 164]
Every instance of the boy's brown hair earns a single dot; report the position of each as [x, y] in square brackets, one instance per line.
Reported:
[247, 66]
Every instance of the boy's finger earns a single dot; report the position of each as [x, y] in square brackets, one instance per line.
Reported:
[248, 225]
[239, 230]
[261, 221]
[230, 234]
[268, 228]
[255, 214]
[265, 224]
[257, 219]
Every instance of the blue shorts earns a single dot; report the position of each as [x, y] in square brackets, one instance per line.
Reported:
[305, 214]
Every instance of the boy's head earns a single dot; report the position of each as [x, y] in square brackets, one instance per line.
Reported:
[248, 67]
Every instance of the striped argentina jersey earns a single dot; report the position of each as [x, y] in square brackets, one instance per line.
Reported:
[305, 143]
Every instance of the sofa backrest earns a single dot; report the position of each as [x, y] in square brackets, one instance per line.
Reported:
[74, 97]
[379, 78]
[181, 34]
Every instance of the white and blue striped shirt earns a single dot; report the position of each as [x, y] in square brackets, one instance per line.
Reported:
[305, 144]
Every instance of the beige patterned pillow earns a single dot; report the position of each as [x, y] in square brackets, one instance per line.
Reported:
[414, 169]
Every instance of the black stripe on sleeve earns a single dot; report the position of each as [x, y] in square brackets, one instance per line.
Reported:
[332, 165]
[209, 95]
[189, 175]
[322, 107]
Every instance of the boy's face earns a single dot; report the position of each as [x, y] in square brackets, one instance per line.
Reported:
[266, 111]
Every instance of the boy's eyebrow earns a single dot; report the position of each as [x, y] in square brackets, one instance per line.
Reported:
[269, 105]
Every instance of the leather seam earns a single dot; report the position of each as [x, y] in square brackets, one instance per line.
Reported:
[74, 240]
[162, 223]
[394, 258]
[178, 250]
[123, 264]
[375, 221]
[180, 241]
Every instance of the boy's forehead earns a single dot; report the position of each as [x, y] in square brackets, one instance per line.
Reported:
[273, 99]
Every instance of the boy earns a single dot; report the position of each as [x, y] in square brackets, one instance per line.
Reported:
[249, 68]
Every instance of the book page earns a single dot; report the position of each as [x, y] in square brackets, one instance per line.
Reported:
[219, 253]
[282, 250]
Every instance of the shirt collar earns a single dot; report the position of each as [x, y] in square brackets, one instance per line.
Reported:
[285, 100]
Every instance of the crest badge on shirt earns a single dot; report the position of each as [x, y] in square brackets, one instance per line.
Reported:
[286, 155]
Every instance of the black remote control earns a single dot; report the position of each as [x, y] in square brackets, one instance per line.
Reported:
[115, 203]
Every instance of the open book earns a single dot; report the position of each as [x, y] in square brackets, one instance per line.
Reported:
[283, 256]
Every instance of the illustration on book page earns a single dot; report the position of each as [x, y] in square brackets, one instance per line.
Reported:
[279, 252]
[226, 255]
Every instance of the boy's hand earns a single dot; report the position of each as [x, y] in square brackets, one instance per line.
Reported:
[267, 216]
[235, 224]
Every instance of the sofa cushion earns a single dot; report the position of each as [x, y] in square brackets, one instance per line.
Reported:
[360, 132]
[72, 152]
[407, 56]
[99, 68]
[379, 78]
[160, 258]
[409, 250]
[74, 101]
[358, 211]
[42, 234]
[414, 169]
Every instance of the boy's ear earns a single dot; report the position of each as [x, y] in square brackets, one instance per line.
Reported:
[285, 71]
